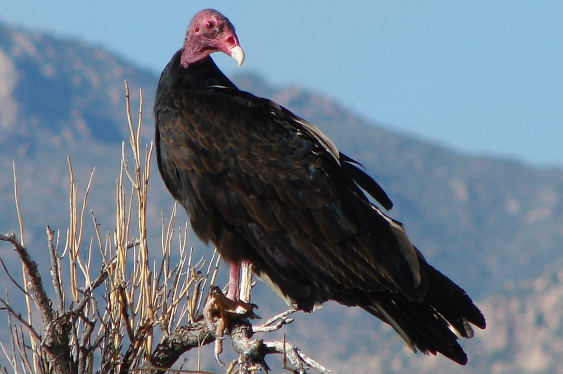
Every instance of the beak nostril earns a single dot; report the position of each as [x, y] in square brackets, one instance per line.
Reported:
[230, 41]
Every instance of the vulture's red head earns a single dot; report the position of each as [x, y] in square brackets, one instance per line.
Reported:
[208, 32]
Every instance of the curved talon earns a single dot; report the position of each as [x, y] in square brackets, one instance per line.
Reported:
[217, 353]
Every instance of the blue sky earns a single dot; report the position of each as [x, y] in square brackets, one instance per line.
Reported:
[478, 76]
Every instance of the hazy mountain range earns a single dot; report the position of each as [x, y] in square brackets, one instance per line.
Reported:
[493, 225]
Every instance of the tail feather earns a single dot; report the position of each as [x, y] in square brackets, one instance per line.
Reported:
[420, 325]
[451, 300]
[431, 326]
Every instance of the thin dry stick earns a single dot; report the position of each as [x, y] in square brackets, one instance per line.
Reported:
[78, 240]
[55, 269]
[28, 300]
[76, 231]
[98, 236]
[140, 183]
[17, 201]
[6, 306]
[71, 233]
[11, 278]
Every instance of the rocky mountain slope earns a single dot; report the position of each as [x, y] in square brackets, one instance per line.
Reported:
[495, 226]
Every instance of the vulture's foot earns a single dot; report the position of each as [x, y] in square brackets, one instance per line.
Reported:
[219, 310]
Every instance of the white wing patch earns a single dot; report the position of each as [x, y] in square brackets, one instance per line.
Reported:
[386, 317]
[274, 287]
[290, 302]
[405, 245]
[321, 137]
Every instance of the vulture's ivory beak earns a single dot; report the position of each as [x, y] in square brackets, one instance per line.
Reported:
[238, 54]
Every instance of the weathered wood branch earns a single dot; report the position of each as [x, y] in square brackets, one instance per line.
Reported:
[55, 341]
[42, 300]
[183, 339]
[252, 352]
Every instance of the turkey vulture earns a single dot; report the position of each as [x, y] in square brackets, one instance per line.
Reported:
[265, 186]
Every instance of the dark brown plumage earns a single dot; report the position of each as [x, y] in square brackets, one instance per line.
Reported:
[264, 185]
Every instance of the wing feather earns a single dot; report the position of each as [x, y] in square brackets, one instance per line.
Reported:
[289, 180]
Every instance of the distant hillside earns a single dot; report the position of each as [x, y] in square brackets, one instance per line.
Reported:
[524, 335]
[60, 97]
[485, 222]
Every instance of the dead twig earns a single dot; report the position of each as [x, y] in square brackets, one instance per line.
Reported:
[41, 299]
[6, 306]
[12, 279]
[252, 352]
[55, 269]
[276, 322]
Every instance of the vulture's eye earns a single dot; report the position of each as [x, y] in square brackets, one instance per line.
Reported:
[210, 25]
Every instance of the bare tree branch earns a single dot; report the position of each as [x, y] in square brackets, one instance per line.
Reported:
[42, 301]
[192, 335]
[55, 269]
[252, 352]
[276, 322]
